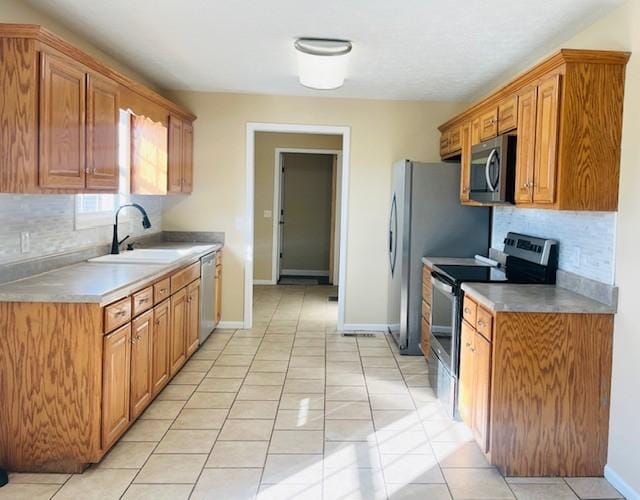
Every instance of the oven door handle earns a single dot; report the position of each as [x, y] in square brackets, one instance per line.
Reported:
[487, 175]
[443, 287]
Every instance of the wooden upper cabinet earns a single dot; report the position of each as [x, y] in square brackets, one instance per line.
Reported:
[508, 114]
[62, 122]
[568, 114]
[547, 126]
[465, 162]
[141, 362]
[526, 145]
[455, 140]
[115, 384]
[187, 157]
[103, 113]
[149, 148]
[475, 131]
[193, 317]
[444, 143]
[175, 155]
[489, 124]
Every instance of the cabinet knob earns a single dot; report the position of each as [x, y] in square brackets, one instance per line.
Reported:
[467, 310]
[481, 323]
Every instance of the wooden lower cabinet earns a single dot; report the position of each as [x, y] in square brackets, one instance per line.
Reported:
[425, 329]
[193, 317]
[178, 342]
[141, 362]
[160, 368]
[116, 385]
[536, 396]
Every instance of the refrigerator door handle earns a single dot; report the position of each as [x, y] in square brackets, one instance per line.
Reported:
[393, 229]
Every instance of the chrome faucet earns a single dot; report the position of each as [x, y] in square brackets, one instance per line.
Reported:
[146, 223]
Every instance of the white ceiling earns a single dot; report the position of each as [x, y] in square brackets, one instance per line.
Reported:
[402, 49]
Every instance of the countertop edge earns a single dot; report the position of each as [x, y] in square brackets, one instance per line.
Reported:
[113, 295]
[586, 305]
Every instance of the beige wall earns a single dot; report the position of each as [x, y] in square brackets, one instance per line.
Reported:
[381, 132]
[620, 30]
[265, 150]
[306, 200]
[17, 11]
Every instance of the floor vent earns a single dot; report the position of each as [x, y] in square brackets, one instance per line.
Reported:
[332, 298]
[356, 334]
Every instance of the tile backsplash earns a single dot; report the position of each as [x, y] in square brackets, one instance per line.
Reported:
[50, 222]
[586, 239]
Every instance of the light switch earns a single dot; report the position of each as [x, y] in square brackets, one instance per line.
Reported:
[267, 214]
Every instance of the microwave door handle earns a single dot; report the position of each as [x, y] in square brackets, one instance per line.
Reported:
[494, 151]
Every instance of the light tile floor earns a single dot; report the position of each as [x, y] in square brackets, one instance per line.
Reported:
[292, 410]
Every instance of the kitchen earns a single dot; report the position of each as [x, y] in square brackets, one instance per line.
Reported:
[218, 204]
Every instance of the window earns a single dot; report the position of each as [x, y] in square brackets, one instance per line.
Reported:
[95, 210]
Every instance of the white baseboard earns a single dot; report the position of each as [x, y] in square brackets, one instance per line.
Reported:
[620, 484]
[365, 327]
[264, 282]
[230, 325]
[303, 272]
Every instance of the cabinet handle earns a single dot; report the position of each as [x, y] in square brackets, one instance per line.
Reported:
[120, 314]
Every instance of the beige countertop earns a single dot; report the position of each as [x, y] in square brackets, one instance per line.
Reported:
[508, 297]
[93, 282]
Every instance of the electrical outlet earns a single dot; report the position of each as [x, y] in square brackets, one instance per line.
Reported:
[267, 214]
[25, 242]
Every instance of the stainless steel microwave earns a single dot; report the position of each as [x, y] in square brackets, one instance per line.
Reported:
[492, 172]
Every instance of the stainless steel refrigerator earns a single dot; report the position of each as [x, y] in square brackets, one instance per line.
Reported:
[426, 219]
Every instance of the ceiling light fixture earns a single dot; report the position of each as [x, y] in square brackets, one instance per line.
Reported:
[322, 63]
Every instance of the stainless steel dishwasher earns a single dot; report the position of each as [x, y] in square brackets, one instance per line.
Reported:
[208, 295]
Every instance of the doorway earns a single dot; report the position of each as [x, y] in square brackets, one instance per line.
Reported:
[306, 222]
[260, 212]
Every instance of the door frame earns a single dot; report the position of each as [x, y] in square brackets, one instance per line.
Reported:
[277, 204]
[251, 129]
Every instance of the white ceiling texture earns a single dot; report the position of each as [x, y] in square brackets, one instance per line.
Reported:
[402, 49]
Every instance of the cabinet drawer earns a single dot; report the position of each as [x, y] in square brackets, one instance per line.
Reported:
[426, 284]
[484, 323]
[142, 300]
[184, 277]
[469, 310]
[117, 314]
[489, 124]
[161, 290]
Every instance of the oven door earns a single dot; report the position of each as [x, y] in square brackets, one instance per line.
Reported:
[488, 171]
[443, 358]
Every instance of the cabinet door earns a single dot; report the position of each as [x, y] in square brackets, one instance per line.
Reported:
[467, 374]
[187, 157]
[175, 155]
[193, 317]
[465, 162]
[455, 141]
[102, 134]
[444, 143]
[116, 359]
[141, 362]
[508, 114]
[489, 124]
[475, 131]
[547, 125]
[62, 123]
[218, 314]
[178, 339]
[526, 145]
[481, 391]
[160, 347]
